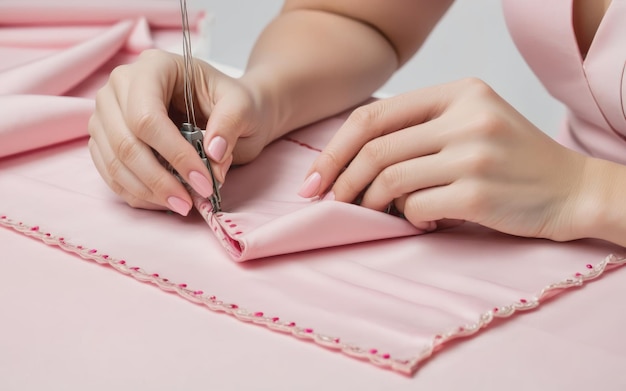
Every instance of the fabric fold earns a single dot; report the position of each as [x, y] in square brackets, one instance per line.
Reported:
[58, 73]
[30, 122]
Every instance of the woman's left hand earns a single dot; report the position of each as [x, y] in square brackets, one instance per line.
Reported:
[453, 152]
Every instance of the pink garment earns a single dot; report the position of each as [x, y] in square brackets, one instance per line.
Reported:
[593, 89]
[392, 302]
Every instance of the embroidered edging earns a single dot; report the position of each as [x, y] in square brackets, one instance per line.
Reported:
[385, 360]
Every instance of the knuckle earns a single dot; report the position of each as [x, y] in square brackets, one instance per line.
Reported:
[365, 115]
[375, 150]
[143, 125]
[391, 179]
[488, 123]
[178, 158]
[477, 86]
[127, 149]
[156, 185]
[113, 168]
[117, 188]
[414, 208]
[479, 162]
[119, 72]
[329, 158]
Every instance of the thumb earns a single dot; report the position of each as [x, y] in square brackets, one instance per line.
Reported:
[229, 120]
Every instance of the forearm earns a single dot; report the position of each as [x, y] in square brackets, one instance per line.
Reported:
[324, 64]
[310, 62]
[603, 203]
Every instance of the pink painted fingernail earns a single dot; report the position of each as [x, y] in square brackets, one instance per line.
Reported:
[310, 186]
[200, 184]
[179, 205]
[217, 148]
[330, 196]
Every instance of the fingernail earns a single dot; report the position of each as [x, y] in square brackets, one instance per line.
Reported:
[330, 196]
[310, 186]
[217, 148]
[179, 205]
[200, 184]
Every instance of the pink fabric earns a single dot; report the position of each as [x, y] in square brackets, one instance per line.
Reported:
[392, 302]
[593, 89]
[56, 55]
[264, 216]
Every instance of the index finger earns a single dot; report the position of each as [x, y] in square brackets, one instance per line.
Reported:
[149, 95]
[369, 122]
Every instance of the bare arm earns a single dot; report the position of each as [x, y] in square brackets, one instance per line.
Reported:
[320, 57]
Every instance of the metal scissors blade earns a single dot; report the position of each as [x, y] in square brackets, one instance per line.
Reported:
[189, 129]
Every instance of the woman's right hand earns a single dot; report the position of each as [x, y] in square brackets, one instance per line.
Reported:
[138, 113]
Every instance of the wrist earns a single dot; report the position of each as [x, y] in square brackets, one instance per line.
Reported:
[272, 110]
[601, 212]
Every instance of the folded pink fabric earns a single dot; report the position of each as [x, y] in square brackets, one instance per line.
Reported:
[54, 57]
[264, 216]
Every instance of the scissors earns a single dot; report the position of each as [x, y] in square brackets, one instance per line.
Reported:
[189, 129]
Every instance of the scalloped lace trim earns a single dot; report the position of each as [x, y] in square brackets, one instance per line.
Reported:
[375, 356]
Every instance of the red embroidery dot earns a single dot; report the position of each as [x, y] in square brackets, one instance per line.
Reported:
[35, 228]
[212, 298]
[135, 268]
[197, 292]
[438, 336]
[523, 301]
[336, 340]
[232, 225]
[105, 256]
[165, 280]
[275, 319]
[588, 266]
[122, 262]
[386, 355]
[79, 247]
[461, 329]
[155, 274]
[291, 324]
[258, 314]
[577, 274]
[93, 251]
[3, 217]
[238, 233]
[182, 285]
[495, 309]
[234, 306]
[48, 234]
[308, 331]
[373, 351]
[227, 220]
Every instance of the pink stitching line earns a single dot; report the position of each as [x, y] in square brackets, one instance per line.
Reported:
[385, 360]
[300, 143]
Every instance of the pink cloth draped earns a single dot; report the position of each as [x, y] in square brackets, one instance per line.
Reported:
[56, 55]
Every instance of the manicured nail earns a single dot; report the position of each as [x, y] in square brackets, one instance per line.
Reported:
[179, 205]
[217, 148]
[200, 184]
[310, 186]
[330, 196]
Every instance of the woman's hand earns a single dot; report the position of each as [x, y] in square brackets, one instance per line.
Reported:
[456, 151]
[138, 113]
